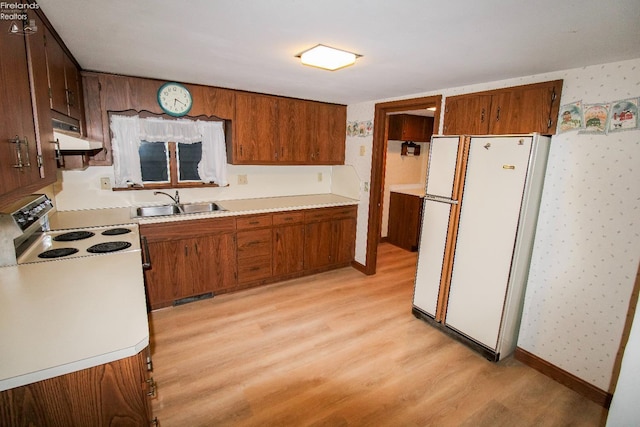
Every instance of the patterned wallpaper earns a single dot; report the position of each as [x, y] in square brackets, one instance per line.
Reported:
[587, 246]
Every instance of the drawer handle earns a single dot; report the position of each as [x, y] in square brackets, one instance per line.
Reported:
[254, 222]
[254, 269]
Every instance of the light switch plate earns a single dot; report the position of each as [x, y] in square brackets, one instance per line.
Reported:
[362, 150]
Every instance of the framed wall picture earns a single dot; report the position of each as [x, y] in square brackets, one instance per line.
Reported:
[571, 117]
[623, 115]
[595, 118]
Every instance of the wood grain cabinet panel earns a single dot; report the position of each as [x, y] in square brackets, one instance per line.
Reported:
[405, 219]
[408, 127]
[254, 255]
[189, 258]
[329, 238]
[255, 139]
[20, 169]
[115, 393]
[288, 249]
[514, 110]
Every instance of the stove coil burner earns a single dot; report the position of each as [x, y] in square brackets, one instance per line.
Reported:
[57, 253]
[74, 235]
[105, 247]
[116, 231]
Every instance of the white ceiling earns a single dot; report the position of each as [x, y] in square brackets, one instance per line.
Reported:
[408, 46]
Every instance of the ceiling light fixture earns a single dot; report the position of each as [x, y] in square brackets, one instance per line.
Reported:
[328, 58]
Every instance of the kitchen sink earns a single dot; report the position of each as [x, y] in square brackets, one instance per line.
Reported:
[183, 208]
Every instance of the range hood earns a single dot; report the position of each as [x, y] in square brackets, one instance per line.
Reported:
[69, 140]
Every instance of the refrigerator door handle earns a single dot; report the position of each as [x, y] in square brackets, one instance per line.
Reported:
[440, 199]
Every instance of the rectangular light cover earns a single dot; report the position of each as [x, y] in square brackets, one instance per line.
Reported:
[327, 57]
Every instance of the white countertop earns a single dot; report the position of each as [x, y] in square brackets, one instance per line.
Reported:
[56, 318]
[117, 216]
[410, 189]
[59, 317]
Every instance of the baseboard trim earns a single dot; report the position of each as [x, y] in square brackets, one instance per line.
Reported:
[360, 267]
[565, 378]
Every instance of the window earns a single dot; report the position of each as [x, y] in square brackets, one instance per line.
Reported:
[158, 153]
[156, 163]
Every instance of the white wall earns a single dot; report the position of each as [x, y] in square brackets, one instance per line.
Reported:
[81, 189]
[588, 245]
[401, 170]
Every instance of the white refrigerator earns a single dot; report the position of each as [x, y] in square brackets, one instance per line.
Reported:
[479, 219]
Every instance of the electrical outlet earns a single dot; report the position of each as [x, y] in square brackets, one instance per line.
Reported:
[366, 186]
[105, 183]
[319, 176]
[362, 150]
[242, 179]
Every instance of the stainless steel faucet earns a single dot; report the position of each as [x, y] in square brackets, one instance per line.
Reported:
[176, 199]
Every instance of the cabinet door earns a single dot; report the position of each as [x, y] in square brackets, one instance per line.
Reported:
[256, 129]
[288, 249]
[211, 260]
[73, 89]
[330, 130]
[405, 214]
[56, 61]
[295, 135]
[343, 240]
[467, 114]
[317, 244]
[36, 47]
[161, 279]
[16, 117]
[526, 109]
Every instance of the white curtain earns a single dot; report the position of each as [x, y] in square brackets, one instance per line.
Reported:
[124, 146]
[213, 165]
[128, 132]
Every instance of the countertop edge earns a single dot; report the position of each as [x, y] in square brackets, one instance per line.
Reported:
[67, 368]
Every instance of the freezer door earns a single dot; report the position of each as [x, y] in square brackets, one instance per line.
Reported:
[431, 255]
[489, 212]
[441, 172]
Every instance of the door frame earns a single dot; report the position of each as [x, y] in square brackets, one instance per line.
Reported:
[378, 164]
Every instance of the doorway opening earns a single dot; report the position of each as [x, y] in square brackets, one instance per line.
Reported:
[378, 165]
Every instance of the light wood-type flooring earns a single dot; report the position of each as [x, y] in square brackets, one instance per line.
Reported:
[340, 349]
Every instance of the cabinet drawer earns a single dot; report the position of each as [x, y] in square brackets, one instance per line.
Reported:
[288, 218]
[254, 243]
[255, 221]
[254, 268]
[325, 214]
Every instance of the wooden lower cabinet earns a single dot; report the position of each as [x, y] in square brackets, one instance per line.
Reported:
[329, 237]
[405, 220]
[189, 258]
[116, 393]
[218, 255]
[288, 249]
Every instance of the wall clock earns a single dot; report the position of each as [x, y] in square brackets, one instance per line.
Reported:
[174, 99]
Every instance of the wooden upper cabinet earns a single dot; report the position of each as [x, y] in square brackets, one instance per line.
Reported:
[330, 132]
[255, 138]
[56, 61]
[287, 131]
[65, 87]
[409, 127]
[295, 131]
[514, 110]
[467, 114]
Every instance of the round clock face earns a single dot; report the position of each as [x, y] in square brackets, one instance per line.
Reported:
[174, 99]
